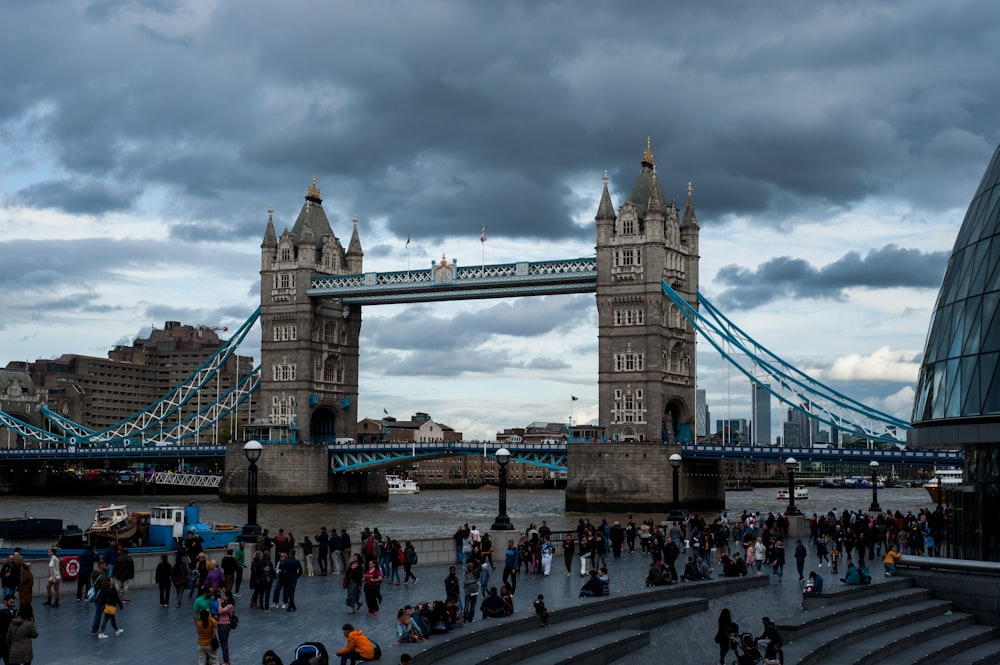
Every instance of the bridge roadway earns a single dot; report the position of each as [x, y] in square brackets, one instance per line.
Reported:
[550, 455]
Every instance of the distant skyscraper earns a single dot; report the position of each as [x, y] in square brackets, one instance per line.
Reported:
[808, 426]
[761, 410]
[733, 431]
[700, 414]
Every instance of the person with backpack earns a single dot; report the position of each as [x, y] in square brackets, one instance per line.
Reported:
[409, 560]
[358, 647]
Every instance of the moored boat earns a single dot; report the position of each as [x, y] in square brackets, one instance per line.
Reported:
[800, 493]
[400, 485]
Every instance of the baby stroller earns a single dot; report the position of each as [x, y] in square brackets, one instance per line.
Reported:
[745, 648]
[308, 653]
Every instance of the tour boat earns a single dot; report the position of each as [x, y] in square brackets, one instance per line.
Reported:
[800, 493]
[943, 482]
[400, 485]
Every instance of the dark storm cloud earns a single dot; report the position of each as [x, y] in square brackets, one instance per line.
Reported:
[417, 341]
[85, 196]
[443, 116]
[788, 277]
[420, 328]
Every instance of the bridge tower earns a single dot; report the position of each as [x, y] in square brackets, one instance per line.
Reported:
[309, 368]
[646, 365]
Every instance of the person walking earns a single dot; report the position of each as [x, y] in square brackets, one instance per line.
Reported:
[373, 587]
[180, 576]
[112, 602]
[323, 550]
[511, 562]
[264, 577]
[470, 585]
[547, 551]
[227, 608]
[409, 560]
[726, 633]
[124, 574]
[98, 582]
[354, 577]
[163, 577]
[293, 571]
[52, 585]
[19, 635]
[206, 625]
[87, 562]
[241, 563]
[569, 546]
[778, 559]
[800, 559]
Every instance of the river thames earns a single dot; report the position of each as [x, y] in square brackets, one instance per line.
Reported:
[436, 513]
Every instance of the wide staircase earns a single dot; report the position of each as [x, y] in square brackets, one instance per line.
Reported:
[888, 622]
[595, 631]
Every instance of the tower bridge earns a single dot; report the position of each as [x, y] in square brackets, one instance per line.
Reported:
[645, 277]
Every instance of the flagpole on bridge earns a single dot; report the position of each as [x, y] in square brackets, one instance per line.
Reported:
[482, 240]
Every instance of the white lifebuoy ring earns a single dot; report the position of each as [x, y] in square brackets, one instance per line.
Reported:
[70, 567]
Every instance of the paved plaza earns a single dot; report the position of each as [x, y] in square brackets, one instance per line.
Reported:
[155, 635]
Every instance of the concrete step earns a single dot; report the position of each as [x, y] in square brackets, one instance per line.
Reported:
[827, 643]
[532, 640]
[957, 642]
[600, 649]
[987, 653]
[834, 592]
[856, 605]
[883, 647]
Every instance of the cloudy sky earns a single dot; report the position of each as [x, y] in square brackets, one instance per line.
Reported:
[833, 149]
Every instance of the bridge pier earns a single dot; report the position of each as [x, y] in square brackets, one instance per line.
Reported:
[290, 473]
[637, 477]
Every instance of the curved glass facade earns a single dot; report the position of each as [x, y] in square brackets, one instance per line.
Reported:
[960, 374]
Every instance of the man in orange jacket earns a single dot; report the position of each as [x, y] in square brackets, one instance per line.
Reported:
[358, 646]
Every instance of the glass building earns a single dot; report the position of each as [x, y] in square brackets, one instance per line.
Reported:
[957, 403]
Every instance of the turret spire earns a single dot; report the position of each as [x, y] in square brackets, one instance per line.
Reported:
[605, 211]
[270, 237]
[647, 156]
[690, 218]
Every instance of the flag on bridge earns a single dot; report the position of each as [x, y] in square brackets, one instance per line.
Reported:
[407, 239]
[384, 411]
[574, 398]
[482, 234]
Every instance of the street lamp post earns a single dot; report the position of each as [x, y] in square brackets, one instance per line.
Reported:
[675, 514]
[502, 522]
[875, 508]
[790, 464]
[252, 450]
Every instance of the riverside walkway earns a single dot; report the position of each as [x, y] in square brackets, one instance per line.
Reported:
[166, 635]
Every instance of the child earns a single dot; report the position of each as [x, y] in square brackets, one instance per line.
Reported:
[541, 611]
[834, 558]
[112, 602]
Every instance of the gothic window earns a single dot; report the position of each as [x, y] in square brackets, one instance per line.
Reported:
[627, 257]
[330, 332]
[640, 317]
[628, 226]
[618, 317]
[286, 253]
[629, 362]
[284, 372]
[332, 370]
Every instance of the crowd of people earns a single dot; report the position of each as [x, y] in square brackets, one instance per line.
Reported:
[679, 551]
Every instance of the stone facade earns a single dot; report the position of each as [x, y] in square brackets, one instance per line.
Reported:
[289, 472]
[638, 477]
[309, 380]
[646, 368]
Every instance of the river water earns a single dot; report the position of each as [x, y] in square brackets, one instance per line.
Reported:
[436, 513]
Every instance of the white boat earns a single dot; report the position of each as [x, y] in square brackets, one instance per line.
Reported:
[943, 482]
[800, 493]
[400, 485]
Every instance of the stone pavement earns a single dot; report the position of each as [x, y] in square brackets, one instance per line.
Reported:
[155, 635]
